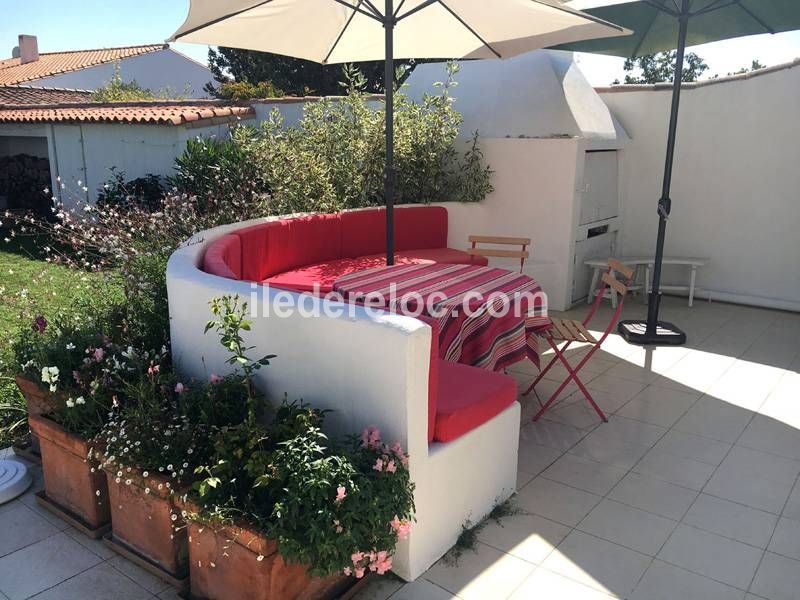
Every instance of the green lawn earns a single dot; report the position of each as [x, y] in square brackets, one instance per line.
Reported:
[49, 287]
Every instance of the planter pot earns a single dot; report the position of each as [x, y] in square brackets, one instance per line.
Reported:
[224, 565]
[71, 486]
[142, 523]
[39, 402]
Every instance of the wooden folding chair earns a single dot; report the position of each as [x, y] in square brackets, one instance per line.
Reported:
[570, 331]
[497, 252]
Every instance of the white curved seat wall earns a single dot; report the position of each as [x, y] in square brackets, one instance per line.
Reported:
[369, 370]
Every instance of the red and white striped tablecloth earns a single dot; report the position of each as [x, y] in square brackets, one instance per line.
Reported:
[487, 317]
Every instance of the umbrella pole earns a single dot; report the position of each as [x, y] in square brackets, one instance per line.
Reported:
[655, 331]
[388, 84]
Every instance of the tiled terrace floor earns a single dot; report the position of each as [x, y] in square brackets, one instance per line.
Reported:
[689, 492]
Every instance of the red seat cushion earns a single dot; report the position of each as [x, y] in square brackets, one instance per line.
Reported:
[469, 397]
[325, 274]
[223, 257]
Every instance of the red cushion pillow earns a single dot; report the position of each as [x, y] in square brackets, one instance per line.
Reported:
[468, 398]
[420, 227]
[363, 232]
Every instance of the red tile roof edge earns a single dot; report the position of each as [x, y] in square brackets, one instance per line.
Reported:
[190, 114]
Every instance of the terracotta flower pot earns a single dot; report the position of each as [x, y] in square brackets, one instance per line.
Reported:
[39, 402]
[69, 480]
[234, 563]
[142, 520]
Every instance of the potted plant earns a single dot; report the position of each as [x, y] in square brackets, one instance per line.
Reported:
[277, 511]
[83, 372]
[150, 448]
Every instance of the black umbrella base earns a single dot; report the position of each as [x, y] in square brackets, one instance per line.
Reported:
[666, 334]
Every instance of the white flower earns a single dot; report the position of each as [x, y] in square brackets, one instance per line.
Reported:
[49, 374]
[70, 403]
[80, 400]
[70, 346]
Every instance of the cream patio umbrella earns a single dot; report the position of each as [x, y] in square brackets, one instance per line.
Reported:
[341, 31]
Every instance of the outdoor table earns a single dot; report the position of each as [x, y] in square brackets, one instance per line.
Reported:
[487, 317]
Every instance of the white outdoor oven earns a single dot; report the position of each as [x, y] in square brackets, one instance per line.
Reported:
[557, 154]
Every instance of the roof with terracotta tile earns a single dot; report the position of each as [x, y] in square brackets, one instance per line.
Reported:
[190, 114]
[55, 63]
[22, 94]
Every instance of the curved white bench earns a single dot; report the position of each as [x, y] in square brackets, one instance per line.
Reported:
[369, 369]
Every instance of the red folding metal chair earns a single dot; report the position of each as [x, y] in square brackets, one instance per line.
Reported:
[571, 331]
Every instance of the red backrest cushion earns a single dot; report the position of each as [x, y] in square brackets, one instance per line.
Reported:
[278, 246]
[254, 242]
[223, 257]
[433, 375]
[415, 227]
[418, 227]
[363, 232]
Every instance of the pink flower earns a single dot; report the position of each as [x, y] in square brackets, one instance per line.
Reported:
[357, 557]
[152, 370]
[214, 379]
[378, 465]
[381, 563]
[397, 449]
[391, 467]
[340, 494]
[76, 376]
[371, 437]
[179, 387]
[347, 571]
[338, 525]
[98, 354]
[359, 572]
[401, 527]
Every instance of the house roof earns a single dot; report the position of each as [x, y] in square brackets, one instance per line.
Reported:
[190, 114]
[23, 94]
[13, 72]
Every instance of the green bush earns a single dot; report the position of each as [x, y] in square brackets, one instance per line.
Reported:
[119, 191]
[244, 90]
[334, 157]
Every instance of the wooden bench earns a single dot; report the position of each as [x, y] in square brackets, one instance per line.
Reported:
[647, 262]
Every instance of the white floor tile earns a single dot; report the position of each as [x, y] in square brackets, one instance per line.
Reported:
[22, 527]
[486, 573]
[715, 419]
[526, 536]
[42, 565]
[749, 489]
[694, 447]
[674, 469]
[533, 458]
[786, 539]
[714, 556]
[601, 447]
[654, 495]
[151, 583]
[743, 460]
[597, 563]
[659, 406]
[732, 520]
[663, 581]
[421, 590]
[769, 434]
[632, 431]
[102, 582]
[630, 527]
[778, 578]
[556, 501]
[584, 474]
[546, 584]
[551, 434]
[380, 588]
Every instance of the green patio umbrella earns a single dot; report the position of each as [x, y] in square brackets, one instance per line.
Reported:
[661, 25]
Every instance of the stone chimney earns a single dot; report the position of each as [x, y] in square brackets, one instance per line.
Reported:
[28, 49]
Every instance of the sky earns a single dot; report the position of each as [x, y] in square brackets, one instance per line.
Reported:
[76, 24]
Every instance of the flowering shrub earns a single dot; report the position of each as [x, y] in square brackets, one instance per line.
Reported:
[85, 370]
[335, 509]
